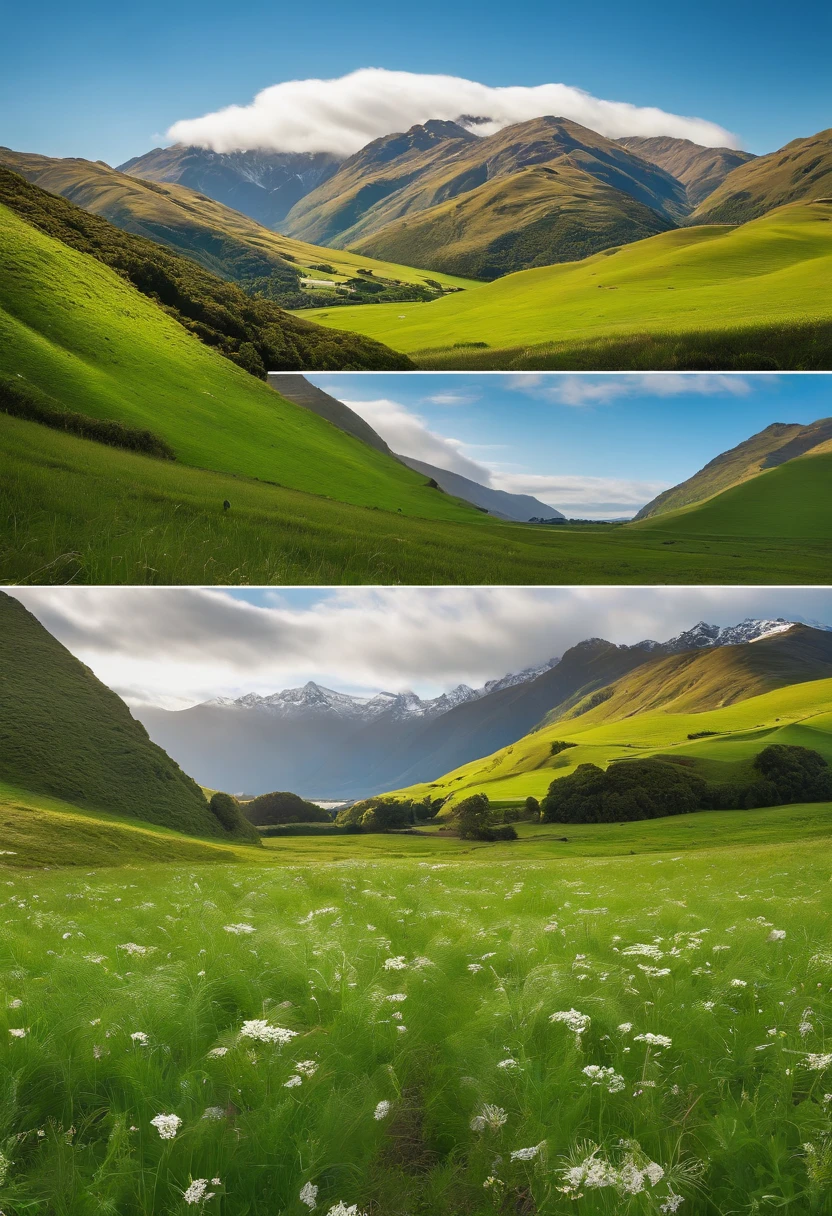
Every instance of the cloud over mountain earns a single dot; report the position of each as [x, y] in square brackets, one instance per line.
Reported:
[343, 114]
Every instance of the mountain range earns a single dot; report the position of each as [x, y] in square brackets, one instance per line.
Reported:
[322, 743]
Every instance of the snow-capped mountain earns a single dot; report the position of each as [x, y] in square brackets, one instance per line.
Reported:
[703, 635]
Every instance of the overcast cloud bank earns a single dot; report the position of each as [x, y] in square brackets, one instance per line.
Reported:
[343, 114]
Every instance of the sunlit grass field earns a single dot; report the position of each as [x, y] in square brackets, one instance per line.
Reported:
[75, 510]
[769, 272]
[462, 1034]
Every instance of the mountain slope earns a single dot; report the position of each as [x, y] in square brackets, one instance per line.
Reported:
[787, 500]
[297, 388]
[535, 217]
[745, 696]
[76, 330]
[224, 242]
[400, 176]
[64, 733]
[521, 507]
[802, 170]
[263, 185]
[769, 273]
[767, 449]
[700, 170]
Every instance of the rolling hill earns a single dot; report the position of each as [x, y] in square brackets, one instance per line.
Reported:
[65, 734]
[769, 448]
[223, 241]
[548, 189]
[700, 170]
[722, 294]
[800, 171]
[75, 330]
[714, 709]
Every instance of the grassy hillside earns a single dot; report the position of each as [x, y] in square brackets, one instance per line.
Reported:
[535, 217]
[73, 510]
[768, 274]
[64, 733]
[802, 170]
[700, 170]
[788, 500]
[76, 330]
[795, 714]
[223, 240]
[767, 449]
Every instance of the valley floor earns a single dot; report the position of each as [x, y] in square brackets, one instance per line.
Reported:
[424, 1028]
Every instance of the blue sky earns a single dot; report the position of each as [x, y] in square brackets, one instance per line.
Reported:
[593, 446]
[105, 81]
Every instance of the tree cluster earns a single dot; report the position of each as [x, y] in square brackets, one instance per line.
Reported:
[388, 814]
[283, 807]
[650, 789]
[473, 820]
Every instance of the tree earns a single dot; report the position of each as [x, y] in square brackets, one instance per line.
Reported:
[533, 807]
[628, 790]
[471, 817]
[284, 807]
[230, 815]
[794, 774]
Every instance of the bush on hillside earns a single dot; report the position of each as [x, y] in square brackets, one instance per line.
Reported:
[385, 814]
[797, 774]
[558, 746]
[228, 812]
[532, 807]
[24, 400]
[283, 807]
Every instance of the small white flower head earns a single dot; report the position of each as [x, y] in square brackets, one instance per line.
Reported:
[15, 1004]
[528, 1154]
[395, 997]
[213, 1112]
[309, 1195]
[18, 1032]
[264, 1032]
[672, 1203]
[577, 1022]
[475, 967]
[132, 948]
[395, 964]
[625, 1027]
[167, 1125]
[739, 984]
[655, 1040]
[509, 1064]
[818, 1062]
[139, 1036]
[216, 1053]
[491, 1117]
[307, 1068]
[382, 1110]
[197, 1192]
[341, 1209]
[239, 929]
[293, 1082]
[607, 1078]
[776, 935]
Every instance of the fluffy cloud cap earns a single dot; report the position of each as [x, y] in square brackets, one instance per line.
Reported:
[342, 115]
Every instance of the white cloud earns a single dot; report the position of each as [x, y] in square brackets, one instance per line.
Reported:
[177, 646]
[583, 497]
[408, 435]
[601, 390]
[452, 398]
[344, 114]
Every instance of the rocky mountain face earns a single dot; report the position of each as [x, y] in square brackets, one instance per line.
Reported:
[322, 743]
[263, 185]
[700, 170]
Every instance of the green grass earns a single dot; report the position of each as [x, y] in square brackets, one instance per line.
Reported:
[73, 328]
[800, 170]
[768, 274]
[74, 510]
[488, 948]
[797, 714]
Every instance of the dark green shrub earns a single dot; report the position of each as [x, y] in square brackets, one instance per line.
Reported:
[283, 807]
[633, 789]
[558, 746]
[532, 807]
[229, 813]
[795, 774]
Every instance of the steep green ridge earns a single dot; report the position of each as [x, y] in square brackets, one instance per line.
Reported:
[402, 175]
[64, 733]
[536, 217]
[75, 329]
[254, 333]
[222, 240]
[792, 499]
[699, 169]
[801, 170]
[767, 449]
[73, 510]
[793, 714]
[771, 272]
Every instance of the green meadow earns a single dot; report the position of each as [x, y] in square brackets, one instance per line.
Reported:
[737, 282]
[80, 511]
[413, 1025]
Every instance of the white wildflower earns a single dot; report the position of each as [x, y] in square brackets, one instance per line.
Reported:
[216, 1052]
[167, 1125]
[395, 964]
[382, 1110]
[655, 1040]
[608, 1078]
[739, 984]
[213, 1112]
[306, 1068]
[818, 1062]
[264, 1032]
[139, 1036]
[776, 935]
[490, 1116]
[474, 968]
[309, 1195]
[341, 1209]
[393, 997]
[509, 1063]
[18, 1032]
[625, 1027]
[528, 1154]
[672, 1203]
[574, 1021]
[132, 948]
[293, 1082]
[197, 1191]
[239, 929]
